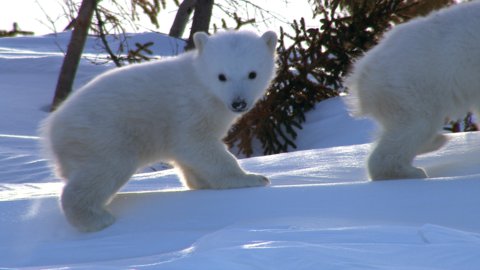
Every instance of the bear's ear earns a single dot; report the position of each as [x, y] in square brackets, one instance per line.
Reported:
[200, 39]
[271, 39]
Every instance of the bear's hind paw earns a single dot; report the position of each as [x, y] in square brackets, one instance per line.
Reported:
[90, 221]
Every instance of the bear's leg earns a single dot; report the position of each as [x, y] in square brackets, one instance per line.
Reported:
[396, 148]
[88, 190]
[215, 168]
[434, 144]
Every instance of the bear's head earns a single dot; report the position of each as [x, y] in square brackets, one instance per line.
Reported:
[237, 66]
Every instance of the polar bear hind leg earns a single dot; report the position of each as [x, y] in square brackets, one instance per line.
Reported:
[437, 142]
[397, 147]
[89, 189]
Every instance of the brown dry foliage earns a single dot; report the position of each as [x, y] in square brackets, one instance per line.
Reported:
[311, 65]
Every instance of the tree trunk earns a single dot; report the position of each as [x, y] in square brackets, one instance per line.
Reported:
[181, 18]
[201, 19]
[74, 52]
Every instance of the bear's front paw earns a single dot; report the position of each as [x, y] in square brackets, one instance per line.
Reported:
[248, 180]
[258, 180]
[415, 173]
[238, 181]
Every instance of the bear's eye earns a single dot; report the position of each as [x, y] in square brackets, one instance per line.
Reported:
[252, 75]
[222, 77]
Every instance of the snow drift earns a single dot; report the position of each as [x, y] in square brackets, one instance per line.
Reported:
[320, 212]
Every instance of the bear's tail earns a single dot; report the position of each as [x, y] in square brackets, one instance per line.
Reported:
[45, 146]
[355, 104]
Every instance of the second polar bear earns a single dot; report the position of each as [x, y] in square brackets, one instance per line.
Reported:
[422, 72]
[176, 110]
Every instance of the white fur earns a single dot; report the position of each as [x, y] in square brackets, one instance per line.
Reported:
[176, 110]
[422, 72]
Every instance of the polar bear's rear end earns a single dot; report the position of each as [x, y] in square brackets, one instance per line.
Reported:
[176, 110]
[422, 72]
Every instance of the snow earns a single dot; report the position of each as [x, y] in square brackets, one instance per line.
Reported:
[320, 212]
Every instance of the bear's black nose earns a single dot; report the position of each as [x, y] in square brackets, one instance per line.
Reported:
[239, 105]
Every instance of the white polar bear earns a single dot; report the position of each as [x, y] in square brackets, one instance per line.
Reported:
[422, 72]
[176, 110]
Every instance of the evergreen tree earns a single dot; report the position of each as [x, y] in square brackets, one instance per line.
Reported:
[311, 66]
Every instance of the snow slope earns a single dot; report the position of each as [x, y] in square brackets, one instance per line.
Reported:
[320, 212]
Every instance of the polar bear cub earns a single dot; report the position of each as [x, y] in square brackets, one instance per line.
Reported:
[176, 110]
[422, 72]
